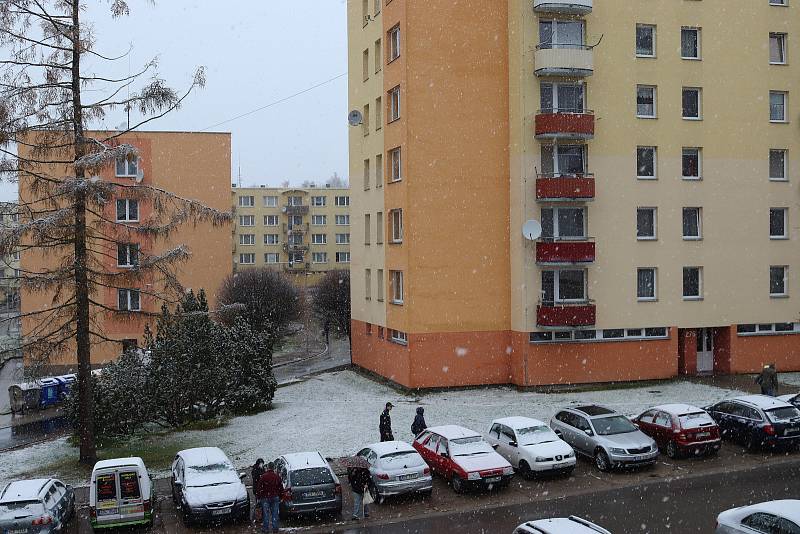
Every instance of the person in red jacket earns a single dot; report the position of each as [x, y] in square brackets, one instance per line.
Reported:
[268, 492]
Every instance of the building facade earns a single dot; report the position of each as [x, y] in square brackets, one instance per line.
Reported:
[652, 143]
[194, 166]
[304, 232]
[9, 289]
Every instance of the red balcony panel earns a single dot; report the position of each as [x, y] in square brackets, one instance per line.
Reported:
[565, 125]
[566, 315]
[565, 252]
[565, 188]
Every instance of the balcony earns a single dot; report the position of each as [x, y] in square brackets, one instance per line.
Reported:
[564, 60]
[572, 7]
[561, 252]
[295, 210]
[295, 229]
[561, 315]
[564, 124]
[551, 188]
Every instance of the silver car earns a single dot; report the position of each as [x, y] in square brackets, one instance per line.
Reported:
[604, 435]
[42, 505]
[397, 468]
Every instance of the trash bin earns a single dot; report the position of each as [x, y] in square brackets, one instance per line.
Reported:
[49, 392]
[65, 383]
[24, 396]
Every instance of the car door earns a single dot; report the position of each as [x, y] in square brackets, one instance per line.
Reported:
[720, 412]
[645, 423]
[584, 440]
[563, 426]
[445, 460]
[662, 428]
[493, 437]
[430, 447]
[63, 502]
[177, 476]
[504, 444]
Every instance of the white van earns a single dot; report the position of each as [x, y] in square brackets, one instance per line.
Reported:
[120, 493]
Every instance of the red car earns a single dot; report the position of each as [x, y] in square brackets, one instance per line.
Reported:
[681, 429]
[463, 457]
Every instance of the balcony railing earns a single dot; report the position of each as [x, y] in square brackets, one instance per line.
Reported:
[295, 210]
[565, 124]
[553, 59]
[562, 314]
[565, 252]
[574, 7]
[295, 247]
[552, 188]
[295, 229]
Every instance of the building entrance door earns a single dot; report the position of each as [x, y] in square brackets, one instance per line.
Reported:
[705, 351]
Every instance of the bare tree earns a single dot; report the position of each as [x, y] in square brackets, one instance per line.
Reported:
[332, 302]
[49, 99]
[337, 181]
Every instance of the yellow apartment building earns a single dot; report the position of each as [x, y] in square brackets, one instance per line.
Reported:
[300, 231]
[652, 142]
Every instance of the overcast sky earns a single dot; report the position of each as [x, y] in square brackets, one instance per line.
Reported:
[255, 52]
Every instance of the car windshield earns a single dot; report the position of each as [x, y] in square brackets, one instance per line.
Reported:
[617, 424]
[535, 434]
[695, 419]
[312, 477]
[201, 476]
[21, 508]
[783, 414]
[401, 458]
[469, 446]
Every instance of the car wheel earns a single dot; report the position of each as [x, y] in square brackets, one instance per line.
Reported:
[672, 450]
[458, 484]
[601, 460]
[525, 470]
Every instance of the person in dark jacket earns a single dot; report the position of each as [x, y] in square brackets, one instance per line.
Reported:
[360, 481]
[268, 492]
[385, 426]
[419, 422]
[255, 475]
[768, 380]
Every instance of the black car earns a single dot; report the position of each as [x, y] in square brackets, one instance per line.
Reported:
[791, 399]
[757, 420]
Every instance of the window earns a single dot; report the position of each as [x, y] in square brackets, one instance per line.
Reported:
[777, 106]
[380, 285]
[394, 103]
[565, 285]
[249, 220]
[646, 162]
[597, 335]
[342, 220]
[271, 201]
[319, 239]
[296, 257]
[396, 218]
[379, 228]
[319, 220]
[295, 200]
[395, 336]
[368, 284]
[691, 163]
[365, 64]
[396, 281]
[777, 281]
[128, 300]
[365, 11]
[393, 38]
[366, 228]
[269, 220]
[365, 124]
[646, 223]
[645, 40]
[127, 210]
[342, 239]
[342, 257]
[247, 259]
[127, 254]
[366, 174]
[379, 170]
[270, 239]
[295, 239]
[295, 221]
[646, 101]
[378, 113]
[763, 522]
[378, 6]
[777, 48]
[692, 283]
[127, 166]
[397, 169]
[247, 239]
[319, 257]
[563, 160]
[692, 226]
[646, 283]
[560, 34]
[247, 201]
[777, 223]
[561, 97]
[270, 257]
[691, 103]
[778, 2]
[378, 53]
[318, 201]
[342, 201]
[777, 165]
[690, 43]
[563, 223]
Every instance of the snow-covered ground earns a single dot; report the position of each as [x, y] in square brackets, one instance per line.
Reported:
[337, 414]
[789, 378]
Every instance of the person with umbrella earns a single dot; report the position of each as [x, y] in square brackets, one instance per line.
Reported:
[360, 480]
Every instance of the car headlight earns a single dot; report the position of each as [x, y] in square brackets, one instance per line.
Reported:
[541, 459]
[473, 476]
[569, 455]
[617, 451]
[508, 471]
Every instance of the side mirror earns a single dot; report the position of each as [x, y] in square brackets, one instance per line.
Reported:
[512, 443]
[589, 432]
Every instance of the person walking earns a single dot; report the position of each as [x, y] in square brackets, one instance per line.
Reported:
[768, 380]
[419, 422]
[385, 426]
[270, 488]
[360, 480]
[255, 475]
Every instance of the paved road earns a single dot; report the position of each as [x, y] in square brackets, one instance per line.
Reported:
[337, 356]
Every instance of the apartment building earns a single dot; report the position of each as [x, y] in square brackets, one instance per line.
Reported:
[191, 165]
[304, 232]
[653, 143]
[9, 289]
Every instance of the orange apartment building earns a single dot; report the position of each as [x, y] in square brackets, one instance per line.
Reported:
[653, 141]
[191, 165]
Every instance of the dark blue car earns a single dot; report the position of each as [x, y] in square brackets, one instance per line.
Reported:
[757, 421]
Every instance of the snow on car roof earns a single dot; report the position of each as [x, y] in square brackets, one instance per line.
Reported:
[388, 447]
[453, 431]
[298, 460]
[515, 423]
[787, 508]
[119, 462]
[23, 490]
[592, 410]
[789, 398]
[201, 456]
[677, 408]
[566, 525]
[764, 402]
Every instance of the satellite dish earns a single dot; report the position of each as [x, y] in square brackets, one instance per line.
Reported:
[139, 176]
[532, 230]
[355, 118]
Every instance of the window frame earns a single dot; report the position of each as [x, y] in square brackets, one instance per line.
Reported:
[318, 217]
[699, 155]
[699, 295]
[393, 38]
[394, 104]
[397, 225]
[654, 296]
[653, 38]
[785, 97]
[654, 151]
[654, 236]
[131, 160]
[785, 167]
[781, 38]
[698, 91]
[699, 221]
[243, 254]
[128, 247]
[128, 294]
[785, 281]
[654, 89]
[785, 222]
[396, 276]
[243, 201]
[557, 299]
[396, 163]
[127, 211]
[698, 33]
